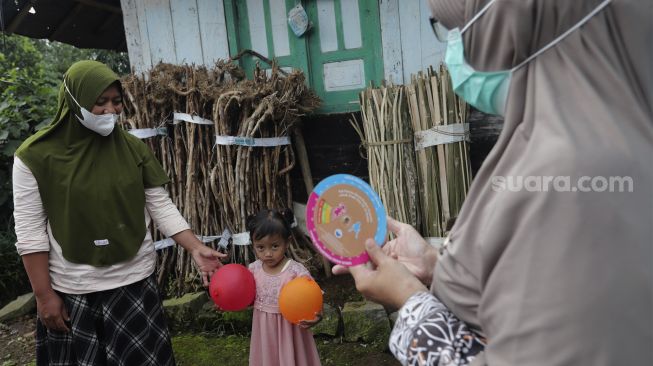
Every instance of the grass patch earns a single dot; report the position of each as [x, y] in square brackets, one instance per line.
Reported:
[195, 350]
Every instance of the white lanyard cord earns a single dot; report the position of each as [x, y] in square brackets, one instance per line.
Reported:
[71, 94]
[552, 43]
[564, 35]
[478, 15]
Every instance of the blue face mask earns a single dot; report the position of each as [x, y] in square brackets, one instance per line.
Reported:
[487, 91]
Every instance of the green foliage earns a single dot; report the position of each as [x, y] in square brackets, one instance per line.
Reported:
[27, 101]
[30, 75]
[13, 279]
[60, 56]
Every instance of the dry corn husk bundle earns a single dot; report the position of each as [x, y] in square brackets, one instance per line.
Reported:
[426, 187]
[258, 108]
[388, 139]
[218, 187]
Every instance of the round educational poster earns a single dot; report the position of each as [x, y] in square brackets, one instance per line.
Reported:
[342, 213]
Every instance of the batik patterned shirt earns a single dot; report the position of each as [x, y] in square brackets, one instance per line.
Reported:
[427, 333]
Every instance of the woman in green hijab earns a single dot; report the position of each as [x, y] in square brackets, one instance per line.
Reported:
[85, 194]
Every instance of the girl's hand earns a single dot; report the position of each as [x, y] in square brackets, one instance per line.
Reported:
[52, 312]
[311, 323]
[207, 260]
[384, 280]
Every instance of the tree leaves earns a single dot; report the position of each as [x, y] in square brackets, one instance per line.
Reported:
[30, 75]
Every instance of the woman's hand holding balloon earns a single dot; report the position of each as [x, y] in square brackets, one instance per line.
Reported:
[208, 261]
[206, 258]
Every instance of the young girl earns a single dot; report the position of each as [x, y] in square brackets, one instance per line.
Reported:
[276, 341]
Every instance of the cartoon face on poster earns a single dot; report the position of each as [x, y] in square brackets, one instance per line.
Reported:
[342, 213]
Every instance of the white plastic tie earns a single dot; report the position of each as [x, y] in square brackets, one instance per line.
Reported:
[241, 238]
[168, 242]
[224, 240]
[185, 117]
[143, 133]
[437, 242]
[440, 135]
[251, 141]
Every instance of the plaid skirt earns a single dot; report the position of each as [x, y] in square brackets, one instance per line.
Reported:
[125, 326]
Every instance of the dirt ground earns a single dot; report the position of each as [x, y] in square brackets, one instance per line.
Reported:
[17, 349]
[17, 342]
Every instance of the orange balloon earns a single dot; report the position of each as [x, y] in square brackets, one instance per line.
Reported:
[300, 299]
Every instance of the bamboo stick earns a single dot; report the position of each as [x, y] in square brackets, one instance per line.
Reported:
[302, 155]
[438, 177]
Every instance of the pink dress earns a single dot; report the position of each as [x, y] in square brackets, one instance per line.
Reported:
[276, 341]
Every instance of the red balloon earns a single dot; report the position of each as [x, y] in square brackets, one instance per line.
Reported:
[232, 287]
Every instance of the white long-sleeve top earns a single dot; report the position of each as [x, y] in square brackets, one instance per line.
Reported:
[34, 235]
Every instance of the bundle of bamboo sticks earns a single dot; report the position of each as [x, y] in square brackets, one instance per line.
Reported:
[424, 187]
[391, 158]
[444, 170]
[216, 187]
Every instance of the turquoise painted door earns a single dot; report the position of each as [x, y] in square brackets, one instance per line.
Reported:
[341, 52]
[344, 50]
[261, 25]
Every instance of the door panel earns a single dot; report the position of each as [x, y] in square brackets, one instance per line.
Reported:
[341, 53]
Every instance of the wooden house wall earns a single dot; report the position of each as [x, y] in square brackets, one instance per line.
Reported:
[409, 45]
[174, 31]
[195, 31]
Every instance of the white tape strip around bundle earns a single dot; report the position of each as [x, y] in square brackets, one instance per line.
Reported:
[162, 244]
[439, 135]
[252, 142]
[208, 238]
[435, 241]
[236, 239]
[185, 117]
[241, 238]
[143, 133]
[168, 242]
[224, 240]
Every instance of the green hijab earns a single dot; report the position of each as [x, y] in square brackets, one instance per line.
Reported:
[92, 186]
